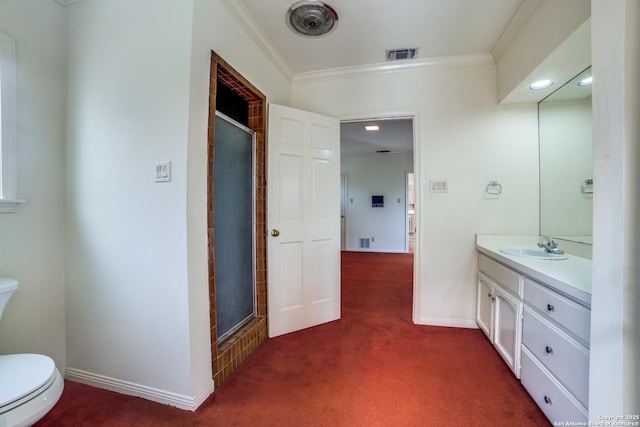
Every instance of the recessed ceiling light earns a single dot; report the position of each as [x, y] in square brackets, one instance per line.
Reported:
[586, 82]
[540, 84]
[372, 128]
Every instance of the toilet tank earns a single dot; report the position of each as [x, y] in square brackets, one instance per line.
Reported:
[7, 287]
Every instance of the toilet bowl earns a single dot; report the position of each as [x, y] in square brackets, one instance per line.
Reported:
[31, 384]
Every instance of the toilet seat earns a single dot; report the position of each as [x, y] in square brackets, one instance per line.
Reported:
[31, 385]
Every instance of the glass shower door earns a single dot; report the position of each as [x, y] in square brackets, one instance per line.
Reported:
[233, 224]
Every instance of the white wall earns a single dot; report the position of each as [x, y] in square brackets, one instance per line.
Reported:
[137, 293]
[376, 174]
[614, 374]
[463, 137]
[32, 239]
[127, 305]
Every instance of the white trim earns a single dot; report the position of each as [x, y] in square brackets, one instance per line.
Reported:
[386, 67]
[133, 389]
[389, 115]
[417, 206]
[443, 321]
[8, 126]
[9, 205]
[246, 21]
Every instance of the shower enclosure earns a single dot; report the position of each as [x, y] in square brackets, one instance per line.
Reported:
[234, 219]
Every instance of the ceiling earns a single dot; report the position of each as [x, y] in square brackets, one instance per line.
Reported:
[443, 30]
[367, 28]
[394, 136]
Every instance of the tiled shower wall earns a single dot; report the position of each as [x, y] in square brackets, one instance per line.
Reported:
[227, 356]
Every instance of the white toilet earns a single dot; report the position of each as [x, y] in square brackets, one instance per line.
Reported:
[30, 384]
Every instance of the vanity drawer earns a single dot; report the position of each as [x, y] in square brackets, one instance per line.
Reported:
[570, 315]
[564, 357]
[554, 400]
[506, 277]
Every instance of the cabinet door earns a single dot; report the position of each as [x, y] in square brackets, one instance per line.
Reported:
[484, 305]
[508, 328]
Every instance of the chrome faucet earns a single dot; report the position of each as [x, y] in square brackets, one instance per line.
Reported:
[550, 246]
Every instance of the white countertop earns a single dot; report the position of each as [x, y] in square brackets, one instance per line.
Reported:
[571, 276]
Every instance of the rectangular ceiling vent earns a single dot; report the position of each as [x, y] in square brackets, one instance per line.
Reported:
[399, 54]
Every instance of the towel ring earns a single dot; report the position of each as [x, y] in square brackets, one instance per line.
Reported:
[494, 188]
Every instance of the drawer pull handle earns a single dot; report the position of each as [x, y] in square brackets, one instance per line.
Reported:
[548, 349]
[550, 307]
[547, 400]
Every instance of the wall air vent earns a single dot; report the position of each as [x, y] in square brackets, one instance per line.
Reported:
[399, 54]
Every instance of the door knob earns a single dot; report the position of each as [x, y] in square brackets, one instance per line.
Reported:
[275, 233]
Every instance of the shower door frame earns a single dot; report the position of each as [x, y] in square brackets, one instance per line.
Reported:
[240, 324]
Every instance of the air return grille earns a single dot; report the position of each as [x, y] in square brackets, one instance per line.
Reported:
[399, 54]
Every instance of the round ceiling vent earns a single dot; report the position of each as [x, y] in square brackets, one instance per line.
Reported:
[312, 18]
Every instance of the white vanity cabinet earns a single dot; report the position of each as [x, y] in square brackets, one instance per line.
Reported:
[499, 309]
[555, 352]
[537, 314]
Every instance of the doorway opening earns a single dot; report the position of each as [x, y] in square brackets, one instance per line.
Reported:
[386, 156]
[377, 196]
[234, 336]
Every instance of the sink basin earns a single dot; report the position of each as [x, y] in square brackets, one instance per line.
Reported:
[532, 252]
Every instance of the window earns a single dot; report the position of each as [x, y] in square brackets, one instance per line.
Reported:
[8, 148]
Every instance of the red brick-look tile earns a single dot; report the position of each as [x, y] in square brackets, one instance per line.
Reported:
[227, 356]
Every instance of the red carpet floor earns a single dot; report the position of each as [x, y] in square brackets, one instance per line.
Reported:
[373, 367]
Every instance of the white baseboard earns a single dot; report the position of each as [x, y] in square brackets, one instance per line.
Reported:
[132, 389]
[452, 323]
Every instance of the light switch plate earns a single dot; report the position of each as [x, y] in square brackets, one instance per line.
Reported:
[439, 186]
[163, 171]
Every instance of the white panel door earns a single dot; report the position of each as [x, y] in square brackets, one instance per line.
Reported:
[303, 216]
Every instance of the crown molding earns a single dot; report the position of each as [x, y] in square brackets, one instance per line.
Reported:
[400, 66]
[513, 27]
[244, 18]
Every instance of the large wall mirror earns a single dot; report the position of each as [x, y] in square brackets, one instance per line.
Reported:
[566, 166]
